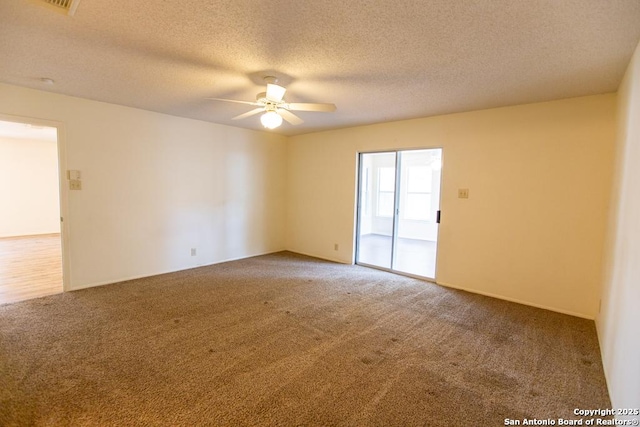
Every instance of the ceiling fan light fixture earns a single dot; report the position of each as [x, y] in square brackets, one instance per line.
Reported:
[271, 120]
[274, 109]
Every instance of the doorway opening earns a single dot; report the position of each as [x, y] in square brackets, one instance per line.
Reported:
[399, 211]
[31, 263]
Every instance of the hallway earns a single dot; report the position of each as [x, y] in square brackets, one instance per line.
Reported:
[30, 267]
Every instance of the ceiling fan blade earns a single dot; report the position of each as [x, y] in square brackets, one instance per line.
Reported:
[233, 100]
[249, 113]
[303, 106]
[275, 92]
[290, 117]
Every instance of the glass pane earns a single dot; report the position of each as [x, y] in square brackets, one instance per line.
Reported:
[386, 179]
[419, 179]
[375, 215]
[419, 201]
[418, 206]
[385, 204]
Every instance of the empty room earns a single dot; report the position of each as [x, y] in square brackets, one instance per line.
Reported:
[296, 213]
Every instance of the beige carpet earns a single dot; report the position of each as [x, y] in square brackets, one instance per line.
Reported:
[287, 340]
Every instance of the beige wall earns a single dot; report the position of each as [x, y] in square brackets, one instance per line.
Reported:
[155, 186]
[533, 227]
[619, 321]
[28, 187]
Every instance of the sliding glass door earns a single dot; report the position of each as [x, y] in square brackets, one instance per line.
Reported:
[398, 210]
[376, 209]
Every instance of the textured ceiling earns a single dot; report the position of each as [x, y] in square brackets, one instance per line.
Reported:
[376, 60]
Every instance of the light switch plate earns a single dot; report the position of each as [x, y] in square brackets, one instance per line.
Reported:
[73, 175]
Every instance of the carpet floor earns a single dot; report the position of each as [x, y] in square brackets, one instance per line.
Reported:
[288, 340]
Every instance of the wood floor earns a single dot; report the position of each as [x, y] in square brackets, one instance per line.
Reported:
[30, 267]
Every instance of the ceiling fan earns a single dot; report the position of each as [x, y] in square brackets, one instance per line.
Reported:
[275, 108]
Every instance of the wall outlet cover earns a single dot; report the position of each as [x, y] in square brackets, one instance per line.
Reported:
[75, 184]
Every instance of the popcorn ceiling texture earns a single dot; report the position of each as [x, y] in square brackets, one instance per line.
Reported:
[288, 340]
[376, 60]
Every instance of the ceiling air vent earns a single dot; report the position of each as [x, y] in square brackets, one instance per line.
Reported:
[65, 6]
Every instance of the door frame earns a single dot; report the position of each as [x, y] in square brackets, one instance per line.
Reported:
[395, 216]
[62, 188]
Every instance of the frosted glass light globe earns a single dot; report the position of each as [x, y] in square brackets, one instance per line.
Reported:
[271, 120]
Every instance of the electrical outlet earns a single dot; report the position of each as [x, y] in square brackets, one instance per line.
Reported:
[463, 193]
[75, 184]
[193, 251]
[336, 246]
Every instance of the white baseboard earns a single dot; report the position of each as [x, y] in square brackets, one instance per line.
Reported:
[142, 276]
[502, 297]
[448, 285]
[319, 257]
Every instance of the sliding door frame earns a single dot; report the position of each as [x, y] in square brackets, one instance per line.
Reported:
[396, 209]
[398, 163]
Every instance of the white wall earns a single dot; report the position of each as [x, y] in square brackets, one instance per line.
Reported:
[619, 320]
[533, 227]
[155, 186]
[29, 192]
